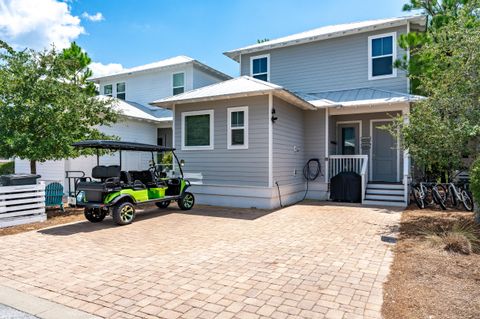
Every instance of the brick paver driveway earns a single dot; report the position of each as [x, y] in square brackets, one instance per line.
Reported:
[311, 260]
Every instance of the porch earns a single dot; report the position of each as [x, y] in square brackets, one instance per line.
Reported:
[358, 142]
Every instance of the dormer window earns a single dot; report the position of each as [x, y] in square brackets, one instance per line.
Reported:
[381, 56]
[260, 67]
[121, 90]
[178, 82]
[107, 90]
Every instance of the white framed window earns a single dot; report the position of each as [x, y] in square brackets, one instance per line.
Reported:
[108, 90]
[121, 90]
[237, 127]
[178, 83]
[382, 52]
[197, 130]
[260, 67]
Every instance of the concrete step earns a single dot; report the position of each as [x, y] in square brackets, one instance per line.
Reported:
[384, 186]
[384, 197]
[384, 203]
[385, 191]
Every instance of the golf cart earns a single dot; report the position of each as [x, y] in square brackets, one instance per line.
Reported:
[114, 191]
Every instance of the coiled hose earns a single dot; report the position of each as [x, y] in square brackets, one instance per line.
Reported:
[311, 171]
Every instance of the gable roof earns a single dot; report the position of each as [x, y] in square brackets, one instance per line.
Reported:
[163, 64]
[138, 111]
[357, 97]
[326, 32]
[238, 87]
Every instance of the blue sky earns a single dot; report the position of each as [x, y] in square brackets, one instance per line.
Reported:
[132, 32]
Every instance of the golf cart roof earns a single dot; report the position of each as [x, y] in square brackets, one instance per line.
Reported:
[121, 146]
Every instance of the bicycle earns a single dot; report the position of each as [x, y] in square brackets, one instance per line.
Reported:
[429, 193]
[459, 194]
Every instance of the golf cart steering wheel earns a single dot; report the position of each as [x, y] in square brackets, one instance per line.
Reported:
[153, 168]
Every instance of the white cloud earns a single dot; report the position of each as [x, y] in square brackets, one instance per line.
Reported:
[38, 23]
[100, 69]
[93, 17]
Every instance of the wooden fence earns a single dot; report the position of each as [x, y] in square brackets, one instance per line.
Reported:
[22, 204]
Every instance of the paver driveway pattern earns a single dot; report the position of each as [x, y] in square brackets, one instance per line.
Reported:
[309, 260]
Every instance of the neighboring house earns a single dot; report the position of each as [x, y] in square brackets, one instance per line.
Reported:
[322, 94]
[139, 122]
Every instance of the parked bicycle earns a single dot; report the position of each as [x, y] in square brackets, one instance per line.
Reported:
[428, 194]
[459, 194]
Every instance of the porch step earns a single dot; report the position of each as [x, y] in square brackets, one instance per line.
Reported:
[385, 186]
[380, 194]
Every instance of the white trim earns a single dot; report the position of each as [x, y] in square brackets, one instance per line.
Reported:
[359, 122]
[371, 149]
[184, 82]
[268, 65]
[212, 130]
[243, 109]
[270, 140]
[361, 109]
[408, 60]
[394, 55]
[327, 145]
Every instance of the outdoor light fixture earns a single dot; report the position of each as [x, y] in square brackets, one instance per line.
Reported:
[182, 163]
[274, 118]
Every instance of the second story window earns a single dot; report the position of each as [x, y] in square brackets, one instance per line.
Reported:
[260, 67]
[107, 90]
[382, 52]
[121, 90]
[178, 82]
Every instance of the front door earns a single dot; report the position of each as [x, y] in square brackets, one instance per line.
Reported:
[384, 154]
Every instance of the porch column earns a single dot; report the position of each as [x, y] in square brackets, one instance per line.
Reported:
[406, 159]
[326, 146]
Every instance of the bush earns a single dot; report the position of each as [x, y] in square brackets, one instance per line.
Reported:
[475, 185]
[7, 168]
[463, 238]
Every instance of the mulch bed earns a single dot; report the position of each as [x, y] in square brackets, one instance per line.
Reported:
[425, 280]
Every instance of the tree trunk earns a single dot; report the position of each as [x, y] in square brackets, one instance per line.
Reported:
[33, 167]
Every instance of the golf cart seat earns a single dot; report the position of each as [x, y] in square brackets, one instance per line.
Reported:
[145, 177]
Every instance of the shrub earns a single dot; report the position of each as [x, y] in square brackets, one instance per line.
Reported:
[7, 168]
[475, 185]
[462, 238]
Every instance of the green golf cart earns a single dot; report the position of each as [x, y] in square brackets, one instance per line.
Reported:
[118, 192]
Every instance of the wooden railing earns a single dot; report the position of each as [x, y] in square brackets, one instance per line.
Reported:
[349, 163]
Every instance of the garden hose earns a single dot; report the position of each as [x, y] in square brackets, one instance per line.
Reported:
[311, 171]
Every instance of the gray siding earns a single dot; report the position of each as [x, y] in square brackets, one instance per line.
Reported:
[221, 166]
[288, 133]
[334, 64]
[201, 78]
[315, 135]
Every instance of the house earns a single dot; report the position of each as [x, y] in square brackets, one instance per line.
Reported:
[139, 122]
[322, 94]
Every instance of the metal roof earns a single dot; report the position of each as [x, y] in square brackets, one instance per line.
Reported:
[178, 60]
[237, 87]
[359, 96]
[326, 32]
[138, 111]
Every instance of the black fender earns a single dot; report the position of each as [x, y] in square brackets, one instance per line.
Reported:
[122, 198]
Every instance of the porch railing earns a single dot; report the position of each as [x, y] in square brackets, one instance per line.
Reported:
[349, 163]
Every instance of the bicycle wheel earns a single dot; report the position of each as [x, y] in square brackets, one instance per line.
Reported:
[452, 195]
[467, 201]
[437, 197]
[428, 198]
[417, 195]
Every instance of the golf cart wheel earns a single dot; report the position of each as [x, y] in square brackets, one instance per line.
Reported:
[187, 201]
[163, 204]
[94, 215]
[124, 213]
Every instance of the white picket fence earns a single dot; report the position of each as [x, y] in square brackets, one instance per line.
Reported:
[22, 204]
